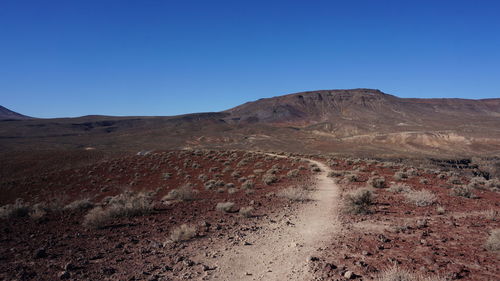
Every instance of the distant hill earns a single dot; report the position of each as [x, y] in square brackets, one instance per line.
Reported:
[366, 109]
[6, 113]
[363, 122]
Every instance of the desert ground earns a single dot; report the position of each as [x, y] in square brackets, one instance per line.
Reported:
[326, 185]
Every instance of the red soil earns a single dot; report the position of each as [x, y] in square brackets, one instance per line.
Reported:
[417, 238]
[132, 248]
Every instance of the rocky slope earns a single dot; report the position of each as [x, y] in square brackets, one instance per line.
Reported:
[6, 113]
[360, 121]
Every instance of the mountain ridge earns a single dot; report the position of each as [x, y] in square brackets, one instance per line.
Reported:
[6, 113]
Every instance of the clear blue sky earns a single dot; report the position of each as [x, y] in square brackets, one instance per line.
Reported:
[72, 58]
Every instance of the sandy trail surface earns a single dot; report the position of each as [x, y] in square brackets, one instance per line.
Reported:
[282, 248]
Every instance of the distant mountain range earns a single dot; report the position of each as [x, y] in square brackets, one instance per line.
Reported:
[357, 121]
[6, 113]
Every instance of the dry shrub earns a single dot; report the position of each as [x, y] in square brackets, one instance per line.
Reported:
[399, 188]
[38, 211]
[292, 173]
[18, 209]
[399, 274]
[294, 194]
[334, 174]
[269, 179]
[493, 241]
[462, 191]
[96, 218]
[225, 207]
[184, 193]
[352, 177]
[477, 182]
[359, 201]
[491, 215]
[315, 169]
[454, 180]
[232, 190]
[400, 175]
[377, 182]
[246, 211]
[421, 198]
[440, 210]
[183, 233]
[82, 204]
[493, 184]
[127, 204]
[248, 184]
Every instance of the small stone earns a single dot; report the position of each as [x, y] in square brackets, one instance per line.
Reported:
[207, 268]
[348, 274]
[64, 275]
[40, 253]
[189, 263]
[313, 259]
[69, 267]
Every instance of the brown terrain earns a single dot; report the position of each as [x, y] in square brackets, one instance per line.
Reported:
[321, 185]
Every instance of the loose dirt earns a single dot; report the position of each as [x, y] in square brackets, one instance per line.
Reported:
[283, 247]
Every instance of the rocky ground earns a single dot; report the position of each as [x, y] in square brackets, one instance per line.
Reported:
[309, 238]
[56, 245]
[445, 238]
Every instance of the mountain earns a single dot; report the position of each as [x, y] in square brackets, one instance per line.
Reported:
[364, 107]
[364, 122]
[6, 113]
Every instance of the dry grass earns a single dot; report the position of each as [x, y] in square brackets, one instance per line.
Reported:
[334, 174]
[18, 209]
[400, 175]
[377, 182]
[183, 233]
[269, 179]
[246, 211]
[294, 194]
[184, 193]
[225, 207]
[359, 201]
[399, 188]
[421, 198]
[399, 274]
[293, 173]
[248, 184]
[491, 215]
[352, 177]
[127, 204]
[493, 241]
[82, 204]
[462, 191]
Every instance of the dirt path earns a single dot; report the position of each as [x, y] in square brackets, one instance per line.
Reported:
[282, 248]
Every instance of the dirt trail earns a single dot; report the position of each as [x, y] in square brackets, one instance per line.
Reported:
[282, 248]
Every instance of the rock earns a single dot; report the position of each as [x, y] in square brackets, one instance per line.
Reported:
[40, 253]
[330, 266]
[207, 268]
[247, 243]
[349, 274]
[69, 267]
[108, 271]
[248, 273]
[64, 275]
[189, 262]
[313, 259]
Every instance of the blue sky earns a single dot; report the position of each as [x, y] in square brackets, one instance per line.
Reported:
[72, 58]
